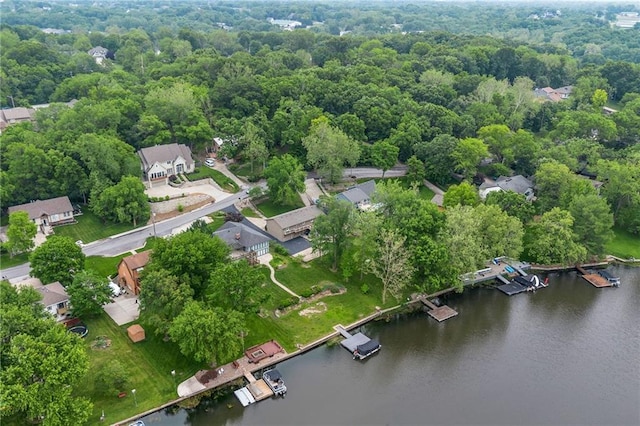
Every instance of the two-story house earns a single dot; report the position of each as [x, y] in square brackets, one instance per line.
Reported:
[163, 161]
[129, 270]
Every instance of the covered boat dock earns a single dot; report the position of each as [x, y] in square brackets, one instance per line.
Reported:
[358, 344]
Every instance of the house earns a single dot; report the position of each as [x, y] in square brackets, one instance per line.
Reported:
[11, 116]
[129, 270]
[553, 95]
[99, 54]
[359, 195]
[45, 213]
[162, 161]
[518, 184]
[54, 297]
[295, 223]
[240, 237]
[608, 111]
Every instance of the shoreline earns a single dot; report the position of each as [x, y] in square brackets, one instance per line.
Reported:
[312, 345]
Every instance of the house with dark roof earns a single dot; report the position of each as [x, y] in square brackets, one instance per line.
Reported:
[52, 212]
[359, 195]
[518, 184]
[162, 161]
[54, 298]
[241, 238]
[295, 223]
[99, 54]
[129, 270]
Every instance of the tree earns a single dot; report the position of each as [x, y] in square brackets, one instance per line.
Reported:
[112, 378]
[599, 98]
[593, 221]
[331, 232]
[415, 170]
[254, 147]
[464, 194]
[123, 203]
[384, 155]
[191, 257]
[500, 234]
[88, 292]
[437, 157]
[236, 286]
[41, 363]
[21, 232]
[622, 190]
[57, 259]
[551, 240]
[207, 335]
[329, 149]
[512, 203]
[391, 264]
[285, 180]
[468, 154]
[557, 186]
[162, 298]
[462, 237]
[366, 227]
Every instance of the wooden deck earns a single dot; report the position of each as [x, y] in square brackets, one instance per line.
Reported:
[439, 313]
[597, 281]
[260, 390]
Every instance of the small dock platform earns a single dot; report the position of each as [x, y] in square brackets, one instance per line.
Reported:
[358, 344]
[257, 388]
[596, 280]
[439, 313]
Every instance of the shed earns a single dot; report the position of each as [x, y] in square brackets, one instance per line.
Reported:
[136, 333]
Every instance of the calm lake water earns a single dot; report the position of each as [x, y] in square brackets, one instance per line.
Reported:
[567, 354]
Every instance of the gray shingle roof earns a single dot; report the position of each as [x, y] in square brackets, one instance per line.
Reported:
[295, 217]
[238, 236]
[53, 293]
[359, 193]
[164, 153]
[16, 114]
[517, 183]
[44, 207]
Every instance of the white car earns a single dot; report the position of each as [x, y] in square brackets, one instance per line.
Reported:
[210, 162]
[115, 289]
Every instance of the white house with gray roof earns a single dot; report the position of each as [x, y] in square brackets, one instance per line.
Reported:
[359, 195]
[51, 212]
[54, 297]
[240, 237]
[518, 184]
[163, 161]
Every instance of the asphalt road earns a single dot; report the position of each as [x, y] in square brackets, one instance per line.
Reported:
[135, 239]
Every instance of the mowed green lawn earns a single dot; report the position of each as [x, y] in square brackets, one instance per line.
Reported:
[224, 181]
[270, 209]
[91, 228]
[624, 245]
[149, 364]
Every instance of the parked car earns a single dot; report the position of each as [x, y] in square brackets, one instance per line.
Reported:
[210, 162]
[115, 289]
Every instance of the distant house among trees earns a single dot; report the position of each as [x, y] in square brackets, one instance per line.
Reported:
[163, 161]
[359, 195]
[518, 184]
[129, 270]
[99, 54]
[45, 213]
[553, 95]
[243, 239]
[295, 223]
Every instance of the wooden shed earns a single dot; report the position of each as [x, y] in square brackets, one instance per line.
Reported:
[136, 333]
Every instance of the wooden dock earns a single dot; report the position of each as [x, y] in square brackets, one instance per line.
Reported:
[258, 388]
[595, 280]
[439, 313]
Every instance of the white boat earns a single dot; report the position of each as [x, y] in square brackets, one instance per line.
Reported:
[273, 378]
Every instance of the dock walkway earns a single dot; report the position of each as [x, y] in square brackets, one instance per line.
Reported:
[439, 313]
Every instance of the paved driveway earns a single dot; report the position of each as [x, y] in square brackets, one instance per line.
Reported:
[124, 309]
[205, 188]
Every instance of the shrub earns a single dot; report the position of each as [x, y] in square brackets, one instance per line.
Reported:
[334, 289]
[166, 198]
[180, 208]
[364, 288]
[308, 292]
[112, 378]
[279, 249]
[286, 302]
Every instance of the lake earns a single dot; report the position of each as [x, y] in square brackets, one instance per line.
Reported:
[566, 354]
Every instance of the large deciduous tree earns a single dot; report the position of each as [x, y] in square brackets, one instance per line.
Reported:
[557, 186]
[468, 154]
[464, 194]
[331, 233]
[622, 190]
[254, 147]
[21, 232]
[329, 149]
[285, 180]
[41, 364]
[513, 204]
[593, 221]
[437, 156]
[551, 240]
[191, 257]
[384, 155]
[57, 259]
[125, 202]
[236, 286]
[88, 292]
[207, 335]
[392, 264]
[162, 298]
[415, 170]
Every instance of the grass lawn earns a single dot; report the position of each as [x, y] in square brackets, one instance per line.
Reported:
[217, 221]
[105, 266]
[248, 212]
[207, 172]
[299, 276]
[149, 364]
[270, 209]
[244, 170]
[91, 228]
[624, 244]
[6, 261]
